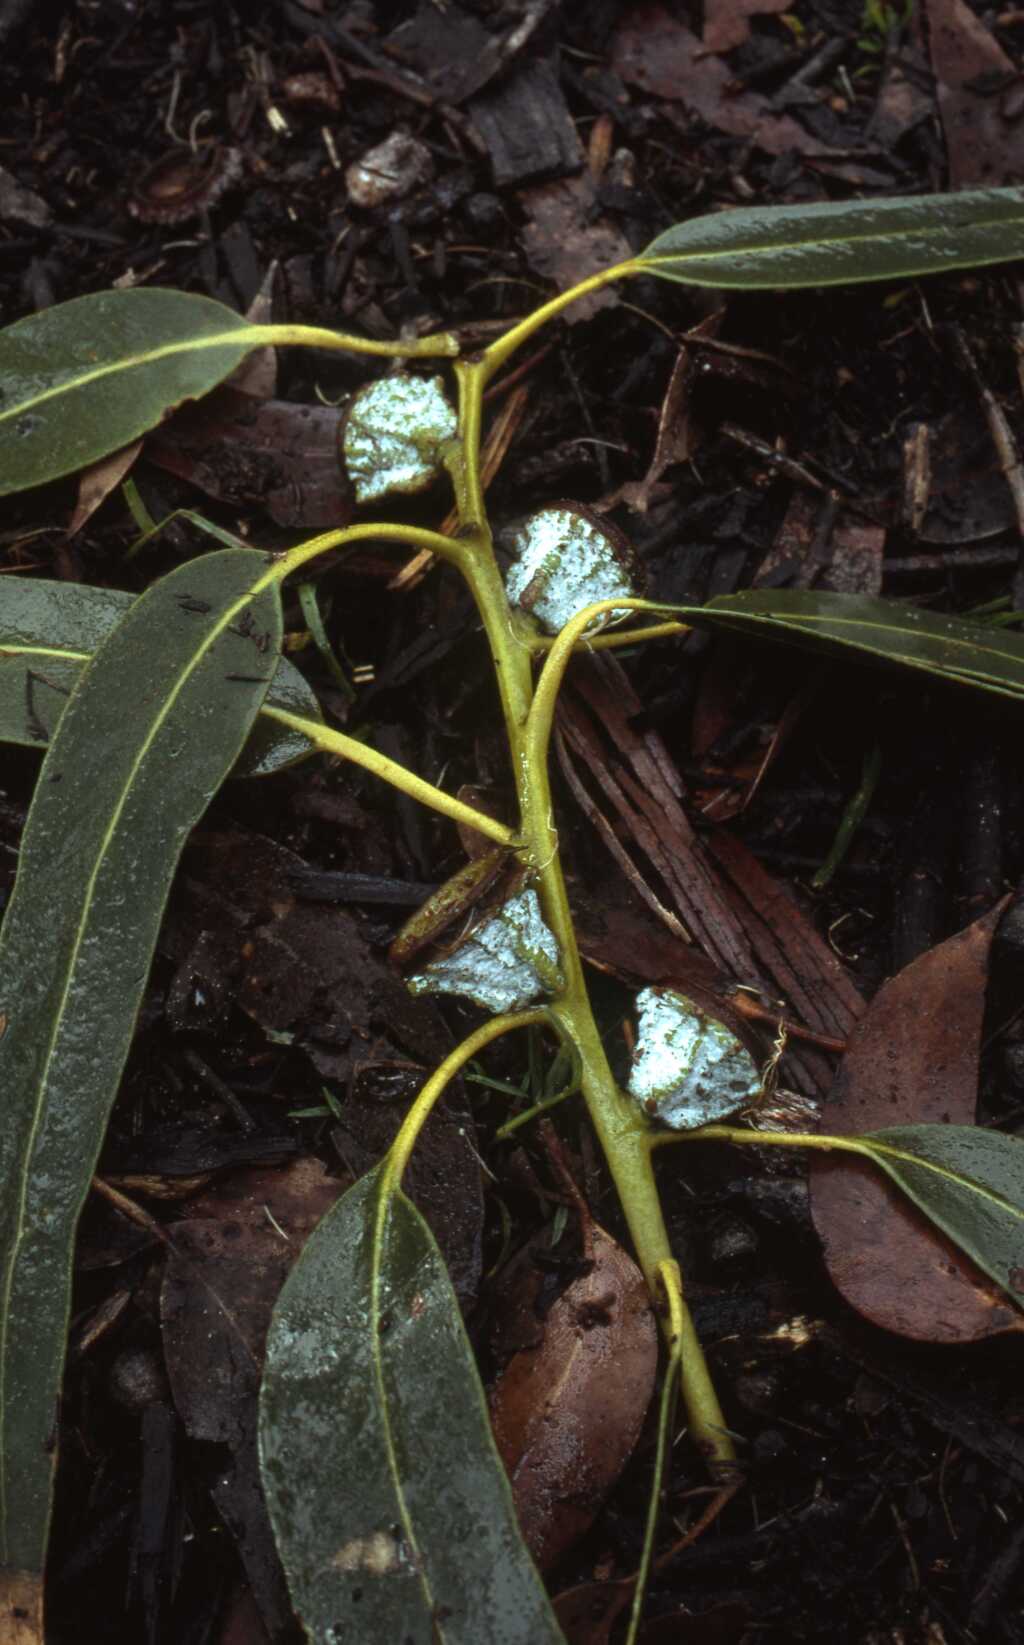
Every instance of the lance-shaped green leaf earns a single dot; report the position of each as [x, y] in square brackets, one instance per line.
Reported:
[392, 1512]
[79, 380]
[970, 1183]
[49, 630]
[950, 647]
[841, 243]
[147, 737]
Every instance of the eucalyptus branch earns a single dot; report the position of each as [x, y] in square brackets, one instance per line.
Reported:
[621, 1128]
[104, 384]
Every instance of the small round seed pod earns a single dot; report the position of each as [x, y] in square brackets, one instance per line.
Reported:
[565, 557]
[688, 1070]
[394, 434]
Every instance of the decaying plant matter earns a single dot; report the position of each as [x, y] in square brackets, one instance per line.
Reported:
[191, 671]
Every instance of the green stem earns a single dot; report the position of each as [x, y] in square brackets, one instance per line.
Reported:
[617, 639]
[349, 748]
[443, 344]
[673, 1292]
[820, 1140]
[410, 536]
[503, 347]
[509, 656]
[454, 1062]
[529, 1114]
[852, 818]
[621, 1128]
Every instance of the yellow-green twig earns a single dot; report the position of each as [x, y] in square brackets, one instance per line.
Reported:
[503, 347]
[330, 741]
[441, 345]
[454, 1062]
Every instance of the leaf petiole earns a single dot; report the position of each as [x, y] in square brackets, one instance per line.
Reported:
[329, 741]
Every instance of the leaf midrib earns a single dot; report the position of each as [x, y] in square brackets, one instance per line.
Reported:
[837, 620]
[191, 345]
[960, 1178]
[167, 703]
[386, 1191]
[818, 243]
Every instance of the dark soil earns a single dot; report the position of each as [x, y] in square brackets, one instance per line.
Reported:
[885, 1476]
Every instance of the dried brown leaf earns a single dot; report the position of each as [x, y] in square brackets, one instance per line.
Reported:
[245, 450]
[225, 1267]
[568, 1407]
[984, 145]
[565, 241]
[727, 22]
[675, 441]
[96, 482]
[653, 50]
[912, 1060]
[257, 374]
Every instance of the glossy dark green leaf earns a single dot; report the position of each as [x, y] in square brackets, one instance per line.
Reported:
[391, 1509]
[970, 1182]
[841, 243]
[79, 380]
[951, 647]
[48, 631]
[147, 737]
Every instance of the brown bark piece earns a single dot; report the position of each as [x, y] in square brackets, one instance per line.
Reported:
[913, 1060]
[745, 923]
[635, 773]
[806, 972]
[526, 126]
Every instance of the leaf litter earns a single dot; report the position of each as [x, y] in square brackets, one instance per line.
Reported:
[913, 1059]
[569, 1403]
